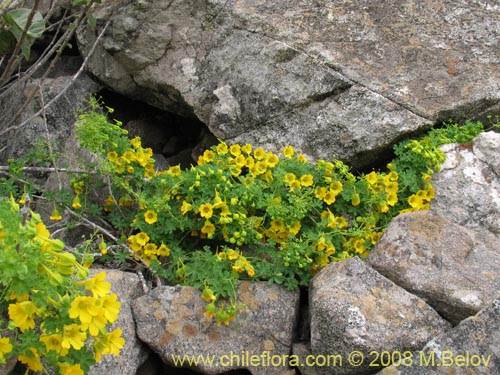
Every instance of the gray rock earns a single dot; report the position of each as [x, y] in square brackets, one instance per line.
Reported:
[468, 184]
[60, 116]
[354, 308]
[171, 321]
[305, 358]
[127, 287]
[470, 348]
[343, 80]
[456, 270]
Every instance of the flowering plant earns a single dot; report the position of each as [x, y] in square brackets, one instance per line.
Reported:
[51, 314]
[242, 212]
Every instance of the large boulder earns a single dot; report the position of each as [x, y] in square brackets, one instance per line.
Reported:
[470, 348]
[335, 78]
[355, 312]
[53, 124]
[171, 320]
[468, 184]
[456, 270]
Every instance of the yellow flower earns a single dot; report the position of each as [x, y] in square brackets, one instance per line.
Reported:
[73, 337]
[96, 285]
[355, 200]
[22, 314]
[336, 187]
[175, 171]
[232, 254]
[235, 150]
[5, 347]
[208, 228]
[277, 226]
[207, 157]
[272, 159]
[359, 246]
[149, 172]
[221, 148]
[41, 230]
[186, 207]
[259, 153]
[250, 270]
[259, 168]
[250, 162]
[135, 142]
[240, 161]
[330, 197]
[111, 307]
[150, 250]
[55, 216]
[163, 251]
[372, 178]
[288, 152]
[112, 156]
[392, 176]
[306, 180]
[32, 360]
[53, 342]
[150, 217]
[85, 309]
[129, 156]
[206, 210]
[114, 342]
[320, 192]
[391, 187]
[302, 159]
[392, 199]
[415, 201]
[295, 228]
[142, 238]
[290, 178]
[76, 203]
[108, 203]
[72, 370]
[247, 149]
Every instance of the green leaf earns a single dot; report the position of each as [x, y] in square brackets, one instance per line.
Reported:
[91, 21]
[17, 19]
[76, 3]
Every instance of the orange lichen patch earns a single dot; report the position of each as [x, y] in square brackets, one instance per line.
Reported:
[187, 294]
[273, 295]
[158, 314]
[247, 299]
[269, 345]
[213, 336]
[165, 338]
[189, 330]
[489, 275]
[174, 326]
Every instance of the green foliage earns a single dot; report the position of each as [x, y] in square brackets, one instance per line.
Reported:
[241, 213]
[55, 319]
[15, 22]
[422, 157]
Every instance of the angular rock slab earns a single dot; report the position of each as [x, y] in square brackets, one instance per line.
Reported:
[171, 321]
[472, 347]
[354, 308]
[468, 184]
[456, 270]
[127, 287]
[205, 58]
